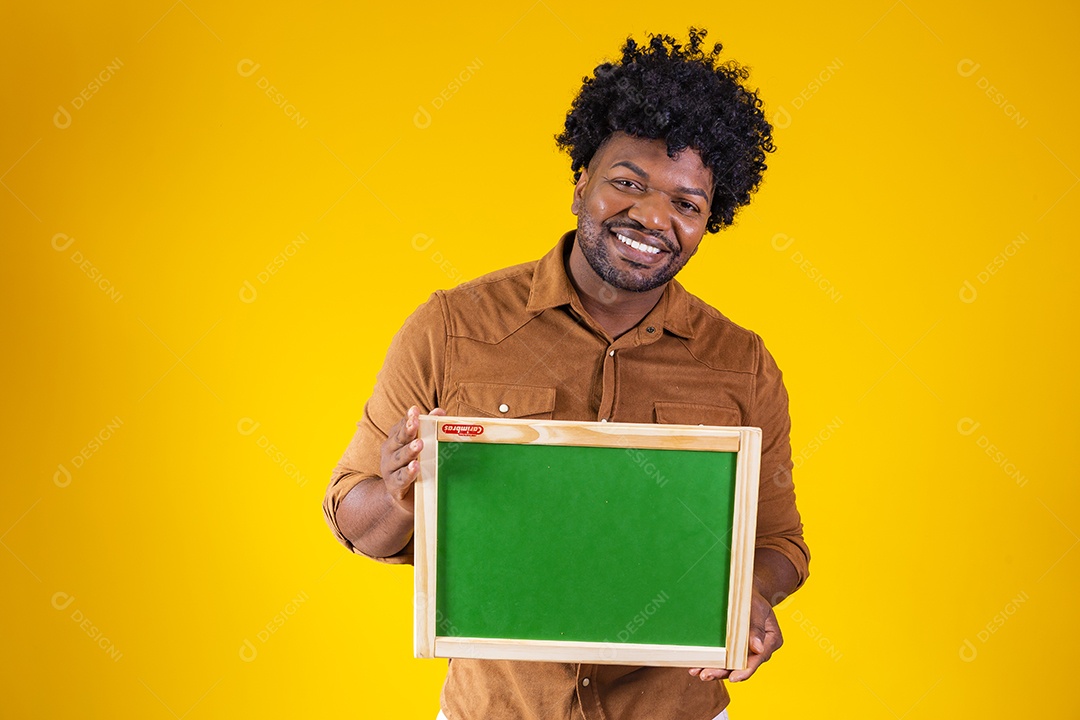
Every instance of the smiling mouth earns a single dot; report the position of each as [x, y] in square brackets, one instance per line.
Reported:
[640, 247]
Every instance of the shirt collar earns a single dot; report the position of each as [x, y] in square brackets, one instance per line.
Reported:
[677, 311]
[551, 287]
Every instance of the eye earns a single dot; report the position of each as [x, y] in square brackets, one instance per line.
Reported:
[687, 207]
[624, 184]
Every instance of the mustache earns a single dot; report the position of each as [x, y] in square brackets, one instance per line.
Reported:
[630, 224]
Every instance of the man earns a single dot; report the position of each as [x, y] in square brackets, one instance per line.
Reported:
[665, 146]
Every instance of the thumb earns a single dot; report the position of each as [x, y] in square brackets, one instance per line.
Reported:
[757, 634]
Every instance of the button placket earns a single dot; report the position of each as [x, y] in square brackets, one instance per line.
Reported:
[607, 398]
[588, 696]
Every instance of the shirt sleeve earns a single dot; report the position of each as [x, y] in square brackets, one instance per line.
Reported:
[779, 525]
[412, 374]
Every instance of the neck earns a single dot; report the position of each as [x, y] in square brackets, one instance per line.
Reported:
[615, 309]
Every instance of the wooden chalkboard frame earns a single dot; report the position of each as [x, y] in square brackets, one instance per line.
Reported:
[745, 442]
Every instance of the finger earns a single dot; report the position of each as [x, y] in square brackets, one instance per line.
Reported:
[757, 635]
[405, 476]
[744, 674]
[399, 459]
[400, 435]
[399, 484]
[773, 640]
[753, 662]
[412, 422]
[760, 615]
[709, 674]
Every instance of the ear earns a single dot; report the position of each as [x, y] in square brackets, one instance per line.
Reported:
[579, 192]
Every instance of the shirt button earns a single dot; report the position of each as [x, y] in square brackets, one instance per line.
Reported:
[585, 682]
[603, 419]
[504, 408]
[611, 353]
[650, 329]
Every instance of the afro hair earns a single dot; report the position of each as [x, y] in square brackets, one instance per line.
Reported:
[689, 99]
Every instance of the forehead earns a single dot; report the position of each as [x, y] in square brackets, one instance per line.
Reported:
[651, 155]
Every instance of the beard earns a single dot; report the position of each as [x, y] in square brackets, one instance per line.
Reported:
[593, 238]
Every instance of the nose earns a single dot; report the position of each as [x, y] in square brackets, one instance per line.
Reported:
[651, 210]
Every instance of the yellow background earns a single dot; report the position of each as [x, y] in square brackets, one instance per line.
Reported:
[945, 558]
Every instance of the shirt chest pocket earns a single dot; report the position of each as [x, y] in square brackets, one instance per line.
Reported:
[680, 413]
[509, 401]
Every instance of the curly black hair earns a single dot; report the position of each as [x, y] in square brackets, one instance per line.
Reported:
[685, 97]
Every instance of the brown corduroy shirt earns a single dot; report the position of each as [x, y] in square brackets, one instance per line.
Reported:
[520, 338]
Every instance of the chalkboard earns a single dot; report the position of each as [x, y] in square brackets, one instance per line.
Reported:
[585, 542]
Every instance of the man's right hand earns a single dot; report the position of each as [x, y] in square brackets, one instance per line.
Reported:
[399, 464]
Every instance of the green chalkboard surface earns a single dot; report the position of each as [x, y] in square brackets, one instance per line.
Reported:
[598, 544]
[592, 542]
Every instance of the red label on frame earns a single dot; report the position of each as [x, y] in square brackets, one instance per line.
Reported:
[465, 430]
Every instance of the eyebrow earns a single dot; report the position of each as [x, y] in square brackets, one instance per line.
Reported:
[684, 190]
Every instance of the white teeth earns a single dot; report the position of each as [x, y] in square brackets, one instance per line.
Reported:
[637, 246]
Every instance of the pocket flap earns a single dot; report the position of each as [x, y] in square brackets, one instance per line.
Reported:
[510, 401]
[680, 413]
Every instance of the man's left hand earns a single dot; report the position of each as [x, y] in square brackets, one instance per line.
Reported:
[765, 639]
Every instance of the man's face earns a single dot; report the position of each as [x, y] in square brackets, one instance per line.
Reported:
[641, 214]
